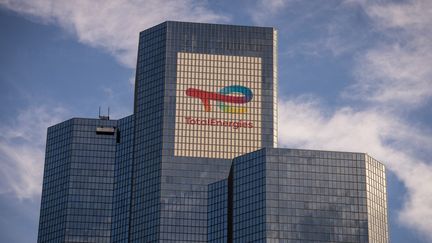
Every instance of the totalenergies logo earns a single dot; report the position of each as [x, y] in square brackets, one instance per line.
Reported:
[223, 97]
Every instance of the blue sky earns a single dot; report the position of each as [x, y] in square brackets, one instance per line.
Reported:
[353, 76]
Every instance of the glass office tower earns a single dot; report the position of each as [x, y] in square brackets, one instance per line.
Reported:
[182, 167]
[78, 181]
[204, 94]
[123, 184]
[292, 195]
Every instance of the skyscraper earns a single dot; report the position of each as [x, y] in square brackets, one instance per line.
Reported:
[297, 195]
[205, 95]
[78, 181]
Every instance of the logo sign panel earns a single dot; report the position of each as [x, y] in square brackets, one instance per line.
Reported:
[223, 97]
[218, 105]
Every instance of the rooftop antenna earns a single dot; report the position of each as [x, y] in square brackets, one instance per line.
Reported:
[103, 117]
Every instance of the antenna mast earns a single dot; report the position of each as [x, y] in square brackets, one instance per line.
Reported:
[103, 117]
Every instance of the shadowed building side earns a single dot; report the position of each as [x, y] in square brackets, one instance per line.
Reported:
[78, 181]
[308, 196]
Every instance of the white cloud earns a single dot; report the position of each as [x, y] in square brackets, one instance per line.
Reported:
[411, 15]
[304, 124]
[22, 147]
[265, 10]
[397, 70]
[393, 77]
[113, 25]
[313, 29]
[396, 75]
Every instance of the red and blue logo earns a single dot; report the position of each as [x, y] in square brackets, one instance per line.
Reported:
[223, 97]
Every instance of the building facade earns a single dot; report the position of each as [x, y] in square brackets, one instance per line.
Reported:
[122, 177]
[204, 94]
[205, 97]
[78, 182]
[292, 195]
